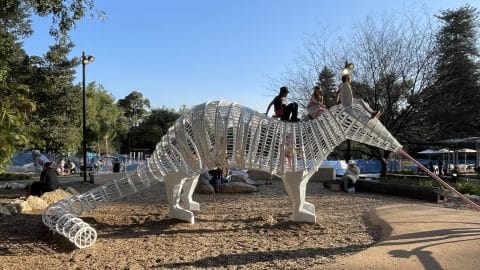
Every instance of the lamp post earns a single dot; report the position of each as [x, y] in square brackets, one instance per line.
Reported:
[85, 60]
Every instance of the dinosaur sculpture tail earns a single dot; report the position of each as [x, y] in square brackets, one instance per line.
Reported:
[62, 217]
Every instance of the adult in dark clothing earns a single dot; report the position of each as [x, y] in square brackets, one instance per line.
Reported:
[284, 112]
[440, 167]
[48, 181]
[217, 178]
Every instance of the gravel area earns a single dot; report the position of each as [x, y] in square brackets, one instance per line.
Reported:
[232, 231]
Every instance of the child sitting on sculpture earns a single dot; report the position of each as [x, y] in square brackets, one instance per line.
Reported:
[316, 106]
[282, 110]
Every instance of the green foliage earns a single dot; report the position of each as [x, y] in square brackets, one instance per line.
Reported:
[58, 101]
[14, 176]
[468, 188]
[43, 83]
[104, 119]
[15, 106]
[452, 107]
[326, 79]
[151, 130]
[410, 180]
[135, 108]
[64, 13]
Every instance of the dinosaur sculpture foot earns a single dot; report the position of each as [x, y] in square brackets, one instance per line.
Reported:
[193, 206]
[182, 214]
[309, 207]
[304, 216]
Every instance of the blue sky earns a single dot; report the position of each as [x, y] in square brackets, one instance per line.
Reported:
[188, 52]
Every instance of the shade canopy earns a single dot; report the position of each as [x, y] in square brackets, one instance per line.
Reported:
[428, 152]
[444, 151]
[466, 150]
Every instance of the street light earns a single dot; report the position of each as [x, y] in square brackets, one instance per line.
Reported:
[85, 60]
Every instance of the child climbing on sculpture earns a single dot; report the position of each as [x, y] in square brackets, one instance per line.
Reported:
[345, 95]
[282, 110]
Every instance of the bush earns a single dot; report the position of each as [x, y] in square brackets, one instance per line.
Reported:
[411, 181]
[14, 176]
[406, 172]
[468, 188]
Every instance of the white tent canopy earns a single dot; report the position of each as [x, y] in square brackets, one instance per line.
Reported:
[466, 150]
[428, 152]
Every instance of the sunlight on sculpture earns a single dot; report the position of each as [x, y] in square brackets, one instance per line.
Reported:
[222, 133]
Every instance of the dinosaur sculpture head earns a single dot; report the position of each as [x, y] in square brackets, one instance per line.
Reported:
[357, 125]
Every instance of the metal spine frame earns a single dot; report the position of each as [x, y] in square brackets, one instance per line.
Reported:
[221, 133]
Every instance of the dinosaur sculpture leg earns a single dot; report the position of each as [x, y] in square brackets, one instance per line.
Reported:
[186, 197]
[173, 187]
[295, 183]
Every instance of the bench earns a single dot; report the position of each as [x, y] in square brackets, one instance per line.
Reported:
[89, 170]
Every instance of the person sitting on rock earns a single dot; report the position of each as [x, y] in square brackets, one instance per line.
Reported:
[217, 178]
[48, 181]
[350, 177]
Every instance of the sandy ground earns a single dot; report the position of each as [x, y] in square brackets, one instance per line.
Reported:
[232, 231]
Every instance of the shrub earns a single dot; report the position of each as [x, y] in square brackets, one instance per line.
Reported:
[468, 188]
[14, 176]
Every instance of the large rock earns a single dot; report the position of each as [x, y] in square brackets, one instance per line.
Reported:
[19, 206]
[203, 185]
[261, 175]
[237, 187]
[241, 179]
[55, 196]
[35, 203]
[324, 174]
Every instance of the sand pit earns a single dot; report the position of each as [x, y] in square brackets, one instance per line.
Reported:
[232, 231]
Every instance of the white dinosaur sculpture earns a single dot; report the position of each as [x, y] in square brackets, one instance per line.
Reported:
[224, 133]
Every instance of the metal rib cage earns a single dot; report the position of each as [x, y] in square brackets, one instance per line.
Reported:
[221, 133]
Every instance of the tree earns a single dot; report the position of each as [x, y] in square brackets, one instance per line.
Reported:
[151, 130]
[454, 98]
[326, 79]
[394, 58]
[56, 122]
[15, 107]
[135, 108]
[16, 76]
[104, 119]
[64, 13]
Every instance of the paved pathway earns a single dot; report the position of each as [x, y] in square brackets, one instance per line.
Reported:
[421, 237]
